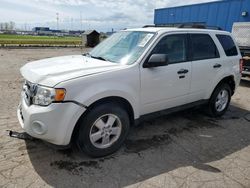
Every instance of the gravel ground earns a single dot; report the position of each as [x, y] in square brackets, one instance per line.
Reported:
[185, 149]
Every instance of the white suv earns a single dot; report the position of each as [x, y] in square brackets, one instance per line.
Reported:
[94, 98]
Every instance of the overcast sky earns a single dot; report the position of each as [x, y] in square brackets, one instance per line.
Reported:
[102, 15]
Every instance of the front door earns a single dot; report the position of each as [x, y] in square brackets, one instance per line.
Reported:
[166, 86]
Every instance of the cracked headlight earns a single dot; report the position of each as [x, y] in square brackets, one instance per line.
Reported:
[44, 96]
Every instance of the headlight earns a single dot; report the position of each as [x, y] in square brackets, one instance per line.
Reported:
[45, 96]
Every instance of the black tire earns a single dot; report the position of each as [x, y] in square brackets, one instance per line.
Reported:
[86, 125]
[212, 110]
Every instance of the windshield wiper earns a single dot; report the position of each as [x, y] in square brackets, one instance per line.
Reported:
[99, 57]
[96, 57]
[86, 54]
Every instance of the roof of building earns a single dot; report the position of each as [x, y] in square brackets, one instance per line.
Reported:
[88, 32]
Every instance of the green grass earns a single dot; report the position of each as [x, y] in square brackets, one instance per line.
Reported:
[38, 40]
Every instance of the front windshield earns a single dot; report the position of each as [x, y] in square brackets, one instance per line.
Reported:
[124, 47]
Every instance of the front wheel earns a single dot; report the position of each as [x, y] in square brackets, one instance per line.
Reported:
[103, 130]
[220, 100]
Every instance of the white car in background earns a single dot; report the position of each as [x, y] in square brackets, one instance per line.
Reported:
[94, 98]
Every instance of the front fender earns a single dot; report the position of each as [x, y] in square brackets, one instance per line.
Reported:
[88, 98]
[122, 83]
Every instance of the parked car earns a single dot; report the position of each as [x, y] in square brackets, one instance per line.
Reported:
[94, 98]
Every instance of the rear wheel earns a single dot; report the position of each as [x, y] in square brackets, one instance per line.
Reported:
[220, 100]
[103, 130]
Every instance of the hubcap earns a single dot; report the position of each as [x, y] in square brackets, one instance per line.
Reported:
[105, 131]
[222, 100]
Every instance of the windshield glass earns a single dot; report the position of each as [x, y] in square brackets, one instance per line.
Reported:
[123, 47]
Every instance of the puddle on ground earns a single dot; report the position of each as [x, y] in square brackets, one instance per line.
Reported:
[71, 165]
[135, 146]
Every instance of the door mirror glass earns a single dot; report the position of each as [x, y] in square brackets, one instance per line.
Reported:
[156, 60]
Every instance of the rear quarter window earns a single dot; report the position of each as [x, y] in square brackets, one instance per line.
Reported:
[228, 45]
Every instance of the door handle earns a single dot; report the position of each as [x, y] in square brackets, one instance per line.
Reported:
[182, 71]
[217, 65]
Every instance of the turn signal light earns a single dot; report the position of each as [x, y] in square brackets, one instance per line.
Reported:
[60, 94]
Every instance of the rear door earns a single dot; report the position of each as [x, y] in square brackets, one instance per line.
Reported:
[205, 64]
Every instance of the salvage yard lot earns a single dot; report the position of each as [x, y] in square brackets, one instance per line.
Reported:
[185, 149]
[38, 40]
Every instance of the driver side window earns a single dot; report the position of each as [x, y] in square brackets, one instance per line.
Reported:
[174, 46]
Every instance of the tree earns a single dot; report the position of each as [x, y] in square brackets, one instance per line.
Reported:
[7, 26]
[11, 25]
[1, 26]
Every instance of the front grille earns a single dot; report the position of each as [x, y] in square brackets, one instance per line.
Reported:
[29, 90]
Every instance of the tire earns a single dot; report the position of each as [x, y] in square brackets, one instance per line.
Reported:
[103, 123]
[218, 106]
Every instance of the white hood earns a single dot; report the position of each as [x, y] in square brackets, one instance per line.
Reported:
[52, 71]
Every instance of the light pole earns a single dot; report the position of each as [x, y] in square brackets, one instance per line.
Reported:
[81, 19]
[57, 20]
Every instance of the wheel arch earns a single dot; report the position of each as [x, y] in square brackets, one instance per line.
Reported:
[116, 99]
[229, 80]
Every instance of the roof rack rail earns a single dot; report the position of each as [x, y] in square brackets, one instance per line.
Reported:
[163, 25]
[186, 25]
[198, 26]
[145, 26]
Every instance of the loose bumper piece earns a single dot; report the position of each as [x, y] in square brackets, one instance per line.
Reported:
[23, 135]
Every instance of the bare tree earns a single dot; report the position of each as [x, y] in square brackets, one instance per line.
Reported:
[11, 25]
[8, 26]
[1, 26]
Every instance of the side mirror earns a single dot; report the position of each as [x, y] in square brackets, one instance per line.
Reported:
[156, 60]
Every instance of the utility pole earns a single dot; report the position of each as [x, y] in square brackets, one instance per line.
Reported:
[81, 19]
[57, 20]
[71, 23]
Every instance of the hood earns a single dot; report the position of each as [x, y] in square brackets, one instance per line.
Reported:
[52, 71]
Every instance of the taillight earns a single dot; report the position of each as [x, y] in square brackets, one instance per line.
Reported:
[241, 65]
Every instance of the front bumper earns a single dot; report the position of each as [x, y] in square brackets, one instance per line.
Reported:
[54, 123]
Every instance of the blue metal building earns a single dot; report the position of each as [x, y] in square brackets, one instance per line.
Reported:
[219, 13]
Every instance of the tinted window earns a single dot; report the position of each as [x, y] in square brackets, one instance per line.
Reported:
[228, 45]
[203, 47]
[174, 46]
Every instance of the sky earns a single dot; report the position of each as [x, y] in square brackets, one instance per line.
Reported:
[102, 15]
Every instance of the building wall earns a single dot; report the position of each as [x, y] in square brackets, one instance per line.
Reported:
[220, 13]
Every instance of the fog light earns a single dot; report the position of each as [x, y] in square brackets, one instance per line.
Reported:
[38, 127]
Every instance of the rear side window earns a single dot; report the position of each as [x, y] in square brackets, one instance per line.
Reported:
[228, 45]
[203, 47]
